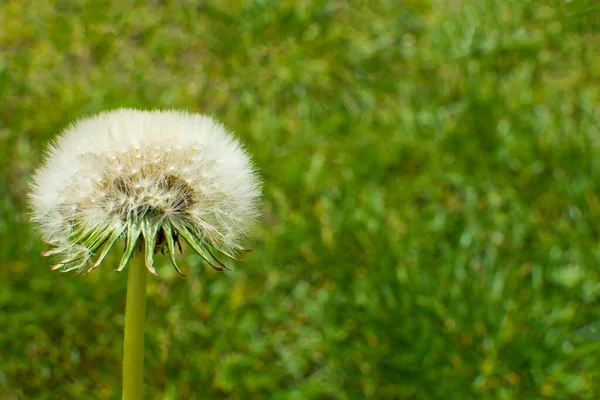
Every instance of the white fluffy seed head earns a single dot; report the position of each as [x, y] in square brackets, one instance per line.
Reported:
[126, 171]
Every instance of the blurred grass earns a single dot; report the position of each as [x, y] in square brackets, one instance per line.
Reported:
[431, 211]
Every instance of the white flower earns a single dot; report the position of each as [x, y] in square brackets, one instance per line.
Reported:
[156, 175]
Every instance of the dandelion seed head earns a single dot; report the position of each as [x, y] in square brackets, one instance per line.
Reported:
[152, 175]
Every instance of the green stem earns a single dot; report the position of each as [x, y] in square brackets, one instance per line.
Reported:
[133, 347]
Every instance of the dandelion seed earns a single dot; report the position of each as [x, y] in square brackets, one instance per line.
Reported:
[160, 177]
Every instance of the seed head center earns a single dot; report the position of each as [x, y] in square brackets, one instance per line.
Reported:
[147, 192]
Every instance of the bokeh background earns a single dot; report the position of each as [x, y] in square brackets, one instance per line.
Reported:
[431, 215]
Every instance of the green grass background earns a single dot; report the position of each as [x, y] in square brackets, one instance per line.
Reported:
[431, 214]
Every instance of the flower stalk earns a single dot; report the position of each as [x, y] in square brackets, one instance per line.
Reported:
[133, 345]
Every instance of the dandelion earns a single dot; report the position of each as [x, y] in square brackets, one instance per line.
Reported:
[152, 179]
[160, 176]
